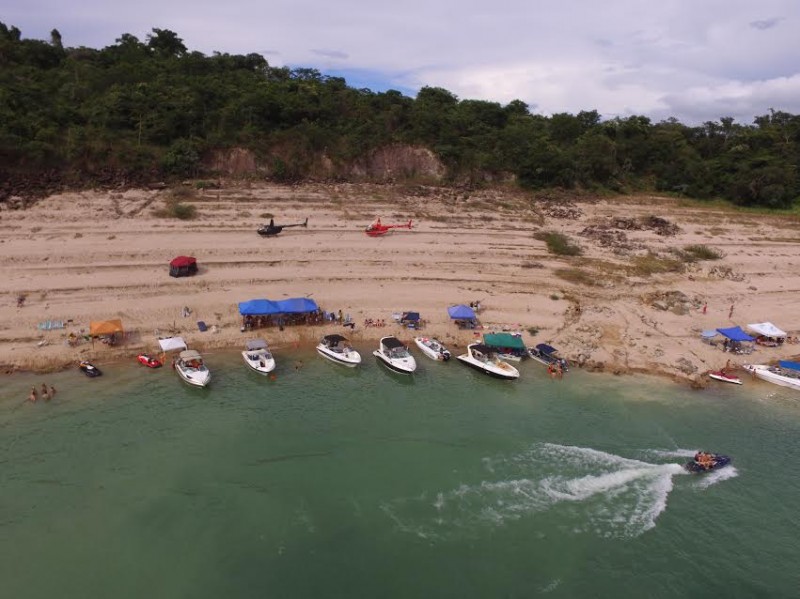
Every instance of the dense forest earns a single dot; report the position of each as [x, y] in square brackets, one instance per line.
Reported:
[140, 111]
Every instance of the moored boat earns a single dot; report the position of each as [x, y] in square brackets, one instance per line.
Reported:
[89, 369]
[258, 356]
[547, 355]
[433, 348]
[395, 355]
[336, 348]
[484, 359]
[787, 374]
[725, 377]
[706, 462]
[191, 368]
[149, 361]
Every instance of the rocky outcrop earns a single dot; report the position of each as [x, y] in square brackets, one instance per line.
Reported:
[396, 162]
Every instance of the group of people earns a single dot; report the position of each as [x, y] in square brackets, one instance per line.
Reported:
[555, 370]
[45, 393]
[369, 322]
[704, 459]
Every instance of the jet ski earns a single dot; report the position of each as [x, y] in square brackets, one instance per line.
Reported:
[712, 461]
[89, 369]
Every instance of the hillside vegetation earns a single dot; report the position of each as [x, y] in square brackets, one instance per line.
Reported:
[141, 111]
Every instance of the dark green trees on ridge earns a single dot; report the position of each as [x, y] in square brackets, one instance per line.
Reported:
[139, 110]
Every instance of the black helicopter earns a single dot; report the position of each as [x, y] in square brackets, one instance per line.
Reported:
[272, 229]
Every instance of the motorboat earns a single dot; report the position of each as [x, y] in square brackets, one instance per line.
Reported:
[337, 349]
[433, 348]
[191, 368]
[706, 462]
[395, 355]
[548, 355]
[722, 375]
[89, 369]
[485, 359]
[149, 361]
[787, 374]
[258, 356]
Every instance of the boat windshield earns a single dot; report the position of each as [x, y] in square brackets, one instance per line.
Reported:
[396, 353]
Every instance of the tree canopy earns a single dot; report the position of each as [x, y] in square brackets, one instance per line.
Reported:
[143, 109]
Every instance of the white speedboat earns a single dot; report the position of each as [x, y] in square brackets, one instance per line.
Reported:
[258, 357]
[785, 376]
[395, 355]
[190, 368]
[433, 348]
[484, 358]
[337, 349]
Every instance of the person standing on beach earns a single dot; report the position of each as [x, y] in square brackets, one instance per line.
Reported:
[730, 314]
[705, 307]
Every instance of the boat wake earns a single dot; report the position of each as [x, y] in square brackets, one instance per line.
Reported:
[590, 491]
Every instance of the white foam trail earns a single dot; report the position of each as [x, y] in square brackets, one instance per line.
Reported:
[717, 476]
[593, 490]
[672, 453]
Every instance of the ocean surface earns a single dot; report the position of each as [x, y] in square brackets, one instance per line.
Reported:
[331, 482]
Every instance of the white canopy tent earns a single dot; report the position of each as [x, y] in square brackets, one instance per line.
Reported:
[172, 343]
[767, 329]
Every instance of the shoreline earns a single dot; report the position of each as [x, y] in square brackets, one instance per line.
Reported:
[623, 306]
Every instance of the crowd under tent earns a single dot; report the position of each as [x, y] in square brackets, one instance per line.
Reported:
[735, 334]
[265, 307]
[183, 266]
[461, 312]
[767, 329]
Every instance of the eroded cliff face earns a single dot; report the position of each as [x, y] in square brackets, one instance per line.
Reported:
[391, 163]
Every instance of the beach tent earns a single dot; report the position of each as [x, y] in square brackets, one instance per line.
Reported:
[735, 334]
[767, 329]
[105, 327]
[183, 266]
[172, 343]
[504, 340]
[297, 305]
[265, 307]
[789, 364]
[461, 312]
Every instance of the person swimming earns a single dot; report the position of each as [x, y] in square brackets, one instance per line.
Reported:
[32, 397]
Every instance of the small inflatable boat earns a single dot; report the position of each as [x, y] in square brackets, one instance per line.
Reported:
[721, 375]
[149, 361]
[711, 462]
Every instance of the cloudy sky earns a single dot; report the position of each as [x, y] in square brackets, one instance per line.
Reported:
[696, 60]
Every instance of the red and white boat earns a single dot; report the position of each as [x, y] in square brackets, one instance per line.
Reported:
[721, 375]
[149, 361]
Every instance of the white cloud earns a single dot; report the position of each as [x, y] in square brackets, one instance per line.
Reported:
[692, 60]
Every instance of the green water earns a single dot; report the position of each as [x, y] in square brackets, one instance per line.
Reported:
[328, 482]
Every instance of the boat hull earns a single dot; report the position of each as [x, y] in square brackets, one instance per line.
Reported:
[400, 367]
[255, 365]
[765, 374]
[480, 367]
[194, 378]
[720, 461]
[439, 356]
[718, 376]
[338, 358]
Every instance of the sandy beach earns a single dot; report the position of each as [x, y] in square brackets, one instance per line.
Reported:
[99, 255]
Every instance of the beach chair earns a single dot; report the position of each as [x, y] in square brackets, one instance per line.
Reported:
[202, 326]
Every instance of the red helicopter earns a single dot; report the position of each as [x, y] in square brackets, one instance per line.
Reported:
[376, 229]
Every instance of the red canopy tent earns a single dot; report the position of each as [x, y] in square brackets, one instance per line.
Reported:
[183, 266]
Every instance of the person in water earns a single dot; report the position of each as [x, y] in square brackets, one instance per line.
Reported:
[44, 393]
[32, 396]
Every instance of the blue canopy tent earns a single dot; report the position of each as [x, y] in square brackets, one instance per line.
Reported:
[264, 307]
[461, 312]
[735, 334]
